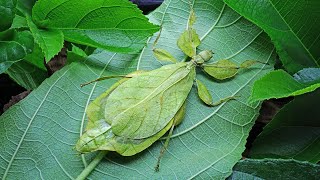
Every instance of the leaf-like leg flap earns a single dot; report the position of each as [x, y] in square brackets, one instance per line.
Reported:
[222, 69]
[163, 55]
[203, 93]
[188, 42]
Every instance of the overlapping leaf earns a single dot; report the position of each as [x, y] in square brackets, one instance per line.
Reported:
[295, 126]
[115, 25]
[46, 125]
[26, 74]
[280, 84]
[50, 41]
[275, 169]
[7, 13]
[15, 49]
[292, 26]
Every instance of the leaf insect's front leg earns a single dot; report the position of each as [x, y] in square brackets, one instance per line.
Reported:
[133, 74]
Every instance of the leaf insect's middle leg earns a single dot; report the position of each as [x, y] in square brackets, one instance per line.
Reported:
[164, 148]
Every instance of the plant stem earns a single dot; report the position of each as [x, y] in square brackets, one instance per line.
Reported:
[85, 173]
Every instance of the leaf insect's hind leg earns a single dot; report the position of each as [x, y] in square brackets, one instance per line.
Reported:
[176, 121]
[164, 148]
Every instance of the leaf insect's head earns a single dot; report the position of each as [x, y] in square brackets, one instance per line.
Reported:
[203, 56]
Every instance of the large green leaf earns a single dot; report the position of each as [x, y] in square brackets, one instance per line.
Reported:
[7, 13]
[38, 134]
[115, 25]
[292, 26]
[275, 169]
[294, 133]
[15, 49]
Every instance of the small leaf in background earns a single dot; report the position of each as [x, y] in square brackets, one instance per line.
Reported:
[204, 93]
[279, 84]
[115, 25]
[14, 50]
[163, 55]
[75, 49]
[308, 76]
[294, 133]
[7, 13]
[26, 74]
[274, 169]
[292, 25]
[188, 42]
[25, 6]
[49, 40]
[19, 22]
[76, 55]
[223, 69]
[36, 57]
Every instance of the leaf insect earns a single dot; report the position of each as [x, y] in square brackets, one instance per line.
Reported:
[143, 106]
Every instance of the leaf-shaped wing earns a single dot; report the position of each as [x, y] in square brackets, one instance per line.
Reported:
[143, 105]
[99, 136]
